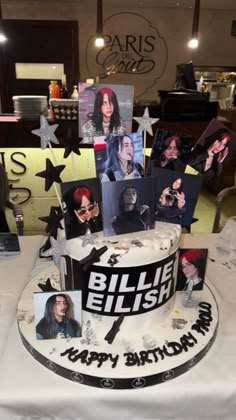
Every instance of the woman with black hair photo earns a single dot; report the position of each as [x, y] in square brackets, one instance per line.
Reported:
[57, 322]
[106, 117]
[81, 212]
[132, 216]
[120, 164]
[208, 158]
[171, 202]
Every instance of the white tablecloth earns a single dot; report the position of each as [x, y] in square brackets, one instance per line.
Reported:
[28, 391]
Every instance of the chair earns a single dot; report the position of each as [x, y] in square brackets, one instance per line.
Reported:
[220, 199]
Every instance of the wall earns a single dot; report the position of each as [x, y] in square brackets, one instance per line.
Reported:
[217, 46]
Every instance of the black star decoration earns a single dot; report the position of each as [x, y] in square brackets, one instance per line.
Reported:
[93, 257]
[51, 174]
[47, 287]
[71, 144]
[53, 220]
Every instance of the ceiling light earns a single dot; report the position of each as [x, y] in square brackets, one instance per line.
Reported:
[99, 41]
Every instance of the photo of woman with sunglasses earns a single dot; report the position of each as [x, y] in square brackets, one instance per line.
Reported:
[81, 212]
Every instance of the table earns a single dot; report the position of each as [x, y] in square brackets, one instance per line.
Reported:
[28, 391]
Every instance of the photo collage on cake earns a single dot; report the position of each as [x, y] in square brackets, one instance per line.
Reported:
[58, 315]
[105, 120]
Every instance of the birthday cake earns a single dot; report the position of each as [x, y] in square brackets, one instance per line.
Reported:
[137, 330]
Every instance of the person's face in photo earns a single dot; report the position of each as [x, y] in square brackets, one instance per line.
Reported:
[107, 107]
[60, 308]
[130, 197]
[172, 151]
[218, 145]
[85, 212]
[126, 149]
[189, 269]
[177, 184]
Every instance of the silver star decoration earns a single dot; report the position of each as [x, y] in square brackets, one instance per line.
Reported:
[145, 122]
[56, 251]
[46, 132]
[88, 238]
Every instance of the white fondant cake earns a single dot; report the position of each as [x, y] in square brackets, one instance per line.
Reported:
[135, 277]
[165, 352]
[159, 337]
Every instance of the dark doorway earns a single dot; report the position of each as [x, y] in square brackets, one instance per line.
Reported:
[34, 41]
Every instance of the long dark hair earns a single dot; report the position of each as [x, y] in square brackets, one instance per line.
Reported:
[114, 142]
[121, 199]
[48, 314]
[97, 117]
[166, 143]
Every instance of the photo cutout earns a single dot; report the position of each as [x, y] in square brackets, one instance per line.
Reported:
[215, 147]
[58, 315]
[104, 109]
[119, 157]
[81, 207]
[170, 150]
[128, 206]
[191, 270]
[176, 196]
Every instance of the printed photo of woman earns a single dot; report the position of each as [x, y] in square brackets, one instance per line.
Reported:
[81, 211]
[171, 202]
[120, 162]
[208, 158]
[105, 118]
[132, 217]
[192, 265]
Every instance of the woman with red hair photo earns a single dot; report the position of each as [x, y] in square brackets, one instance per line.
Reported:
[81, 212]
[208, 159]
[105, 118]
[192, 264]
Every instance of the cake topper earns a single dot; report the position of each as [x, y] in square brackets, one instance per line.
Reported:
[53, 220]
[71, 144]
[46, 133]
[47, 287]
[92, 258]
[88, 238]
[51, 174]
[56, 251]
[145, 122]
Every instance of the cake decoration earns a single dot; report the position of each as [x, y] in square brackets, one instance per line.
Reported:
[145, 122]
[88, 238]
[51, 174]
[47, 287]
[92, 258]
[46, 133]
[110, 336]
[53, 221]
[57, 249]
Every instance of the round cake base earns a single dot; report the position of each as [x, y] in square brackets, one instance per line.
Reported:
[165, 352]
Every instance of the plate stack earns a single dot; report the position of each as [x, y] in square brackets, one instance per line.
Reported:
[30, 107]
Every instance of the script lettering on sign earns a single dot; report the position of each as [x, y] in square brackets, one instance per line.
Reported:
[128, 53]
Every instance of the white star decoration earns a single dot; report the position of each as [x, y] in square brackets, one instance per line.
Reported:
[56, 251]
[145, 122]
[46, 132]
[88, 238]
